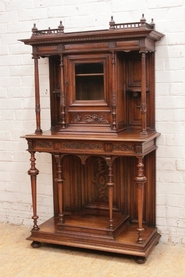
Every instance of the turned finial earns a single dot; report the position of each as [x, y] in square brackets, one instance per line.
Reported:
[34, 29]
[111, 23]
[152, 23]
[143, 20]
[61, 27]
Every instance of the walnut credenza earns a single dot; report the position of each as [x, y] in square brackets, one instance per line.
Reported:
[102, 138]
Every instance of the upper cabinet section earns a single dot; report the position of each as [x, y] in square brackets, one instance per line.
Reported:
[100, 81]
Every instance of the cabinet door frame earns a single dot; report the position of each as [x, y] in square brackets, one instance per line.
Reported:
[70, 62]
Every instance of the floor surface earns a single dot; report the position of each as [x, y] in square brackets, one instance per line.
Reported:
[19, 259]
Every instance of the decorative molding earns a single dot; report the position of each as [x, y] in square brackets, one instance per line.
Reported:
[94, 38]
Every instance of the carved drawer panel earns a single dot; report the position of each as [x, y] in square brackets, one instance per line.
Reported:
[82, 146]
[43, 145]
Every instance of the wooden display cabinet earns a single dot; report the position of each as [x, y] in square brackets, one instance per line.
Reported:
[102, 138]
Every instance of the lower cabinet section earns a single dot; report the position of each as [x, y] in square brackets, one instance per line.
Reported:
[101, 202]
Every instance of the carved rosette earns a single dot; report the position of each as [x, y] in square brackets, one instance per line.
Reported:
[30, 145]
[143, 108]
[138, 149]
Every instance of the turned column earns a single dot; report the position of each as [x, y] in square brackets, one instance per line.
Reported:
[143, 93]
[59, 180]
[140, 180]
[62, 95]
[33, 172]
[37, 95]
[110, 185]
[114, 81]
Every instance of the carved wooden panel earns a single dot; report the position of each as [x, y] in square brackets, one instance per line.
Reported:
[89, 118]
[85, 187]
[134, 72]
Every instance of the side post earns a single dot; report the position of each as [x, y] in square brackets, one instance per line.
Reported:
[140, 180]
[37, 95]
[110, 185]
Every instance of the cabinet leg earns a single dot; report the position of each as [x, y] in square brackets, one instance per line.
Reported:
[140, 179]
[33, 172]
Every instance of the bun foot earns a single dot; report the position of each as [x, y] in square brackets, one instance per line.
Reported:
[35, 244]
[140, 260]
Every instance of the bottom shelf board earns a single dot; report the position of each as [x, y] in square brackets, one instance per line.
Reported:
[124, 243]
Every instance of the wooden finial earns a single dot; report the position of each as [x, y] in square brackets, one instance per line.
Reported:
[152, 23]
[143, 20]
[34, 29]
[61, 27]
[111, 23]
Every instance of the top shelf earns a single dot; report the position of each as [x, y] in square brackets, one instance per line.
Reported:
[140, 35]
[112, 25]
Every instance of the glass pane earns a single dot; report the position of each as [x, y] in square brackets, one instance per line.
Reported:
[89, 81]
[85, 68]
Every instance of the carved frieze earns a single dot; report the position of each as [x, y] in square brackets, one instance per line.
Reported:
[81, 145]
[44, 144]
[123, 147]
